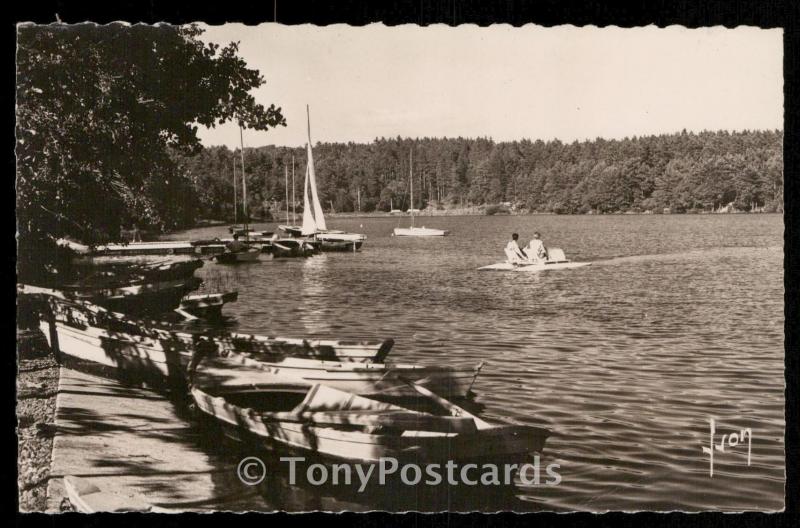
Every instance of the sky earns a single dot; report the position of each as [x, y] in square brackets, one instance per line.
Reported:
[506, 83]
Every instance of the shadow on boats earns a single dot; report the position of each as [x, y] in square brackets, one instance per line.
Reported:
[351, 485]
[300, 486]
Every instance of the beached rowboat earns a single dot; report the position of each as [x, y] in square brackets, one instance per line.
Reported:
[137, 353]
[326, 422]
[369, 378]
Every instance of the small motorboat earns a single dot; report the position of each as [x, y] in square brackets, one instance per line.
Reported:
[419, 231]
[235, 257]
[333, 424]
[555, 260]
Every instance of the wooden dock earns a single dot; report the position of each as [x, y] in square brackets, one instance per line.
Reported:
[162, 248]
[134, 443]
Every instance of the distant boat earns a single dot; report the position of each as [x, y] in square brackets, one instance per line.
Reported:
[416, 231]
[314, 219]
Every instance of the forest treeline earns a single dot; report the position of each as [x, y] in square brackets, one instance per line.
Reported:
[685, 172]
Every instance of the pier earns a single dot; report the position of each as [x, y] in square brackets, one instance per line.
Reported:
[135, 443]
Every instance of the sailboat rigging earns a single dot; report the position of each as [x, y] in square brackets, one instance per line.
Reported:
[415, 231]
[314, 225]
[235, 252]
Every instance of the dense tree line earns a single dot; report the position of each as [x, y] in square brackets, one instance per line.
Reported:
[682, 172]
[104, 115]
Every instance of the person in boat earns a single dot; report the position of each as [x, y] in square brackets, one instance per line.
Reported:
[513, 252]
[536, 250]
[236, 246]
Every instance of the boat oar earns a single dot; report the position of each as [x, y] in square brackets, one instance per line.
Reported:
[454, 409]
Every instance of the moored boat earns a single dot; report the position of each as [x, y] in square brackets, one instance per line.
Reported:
[314, 226]
[323, 421]
[250, 254]
[289, 247]
[206, 305]
[93, 340]
[151, 353]
[419, 231]
[414, 231]
[141, 284]
[367, 378]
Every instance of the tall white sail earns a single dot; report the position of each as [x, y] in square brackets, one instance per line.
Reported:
[309, 226]
[319, 217]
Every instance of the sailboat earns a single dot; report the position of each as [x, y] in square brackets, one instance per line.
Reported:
[314, 219]
[247, 253]
[416, 231]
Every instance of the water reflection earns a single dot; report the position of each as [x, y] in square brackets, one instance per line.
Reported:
[313, 312]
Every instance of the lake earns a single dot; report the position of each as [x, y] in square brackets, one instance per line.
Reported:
[679, 320]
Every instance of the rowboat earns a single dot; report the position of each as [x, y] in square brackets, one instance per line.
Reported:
[555, 261]
[288, 248]
[368, 378]
[235, 257]
[144, 352]
[115, 346]
[322, 421]
[86, 497]
[142, 284]
[206, 305]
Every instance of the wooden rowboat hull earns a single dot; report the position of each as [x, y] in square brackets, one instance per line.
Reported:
[161, 364]
[370, 445]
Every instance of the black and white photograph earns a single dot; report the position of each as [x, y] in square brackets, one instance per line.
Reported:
[426, 268]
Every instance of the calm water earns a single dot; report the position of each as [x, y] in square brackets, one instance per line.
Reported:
[679, 320]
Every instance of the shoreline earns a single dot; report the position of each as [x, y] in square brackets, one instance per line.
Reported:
[38, 377]
[464, 212]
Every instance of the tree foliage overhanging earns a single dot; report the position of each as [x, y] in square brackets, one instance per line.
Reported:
[682, 172]
[103, 113]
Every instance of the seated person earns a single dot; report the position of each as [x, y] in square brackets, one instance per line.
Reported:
[513, 251]
[536, 249]
[235, 246]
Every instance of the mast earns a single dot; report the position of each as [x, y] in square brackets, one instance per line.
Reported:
[294, 222]
[286, 185]
[244, 185]
[411, 178]
[235, 205]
